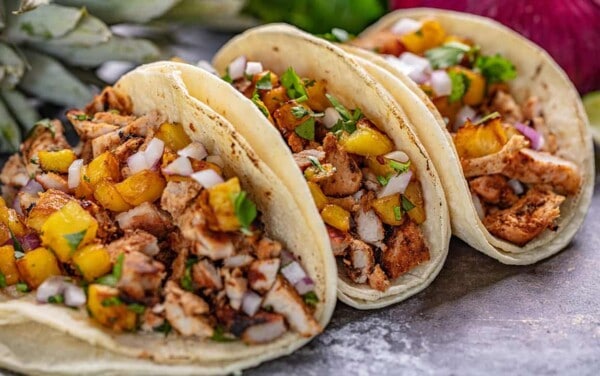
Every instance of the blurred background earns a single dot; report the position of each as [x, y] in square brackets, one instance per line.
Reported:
[57, 54]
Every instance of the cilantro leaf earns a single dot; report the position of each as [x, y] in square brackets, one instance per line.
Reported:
[82, 117]
[407, 205]
[113, 278]
[227, 77]
[399, 167]
[315, 162]
[260, 104]
[264, 83]
[75, 239]
[56, 299]
[2, 280]
[22, 287]
[136, 308]
[488, 117]
[460, 85]
[344, 126]
[311, 298]
[306, 130]
[447, 55]
[343, 111]
[299, 112]
[165, 327]
[112, 301]
[245, 210]
[186, 279]
[496, 68]
[397, 213]
[19, 252]
[219, 335]
[294, 86]
[337, 35]
[383, 180]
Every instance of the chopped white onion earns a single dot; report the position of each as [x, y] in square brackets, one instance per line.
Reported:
[397, 155]
[516, 186]
[75, 173]
[478, 206]
[206, 66]
[305, 285]
[181, 166]
[253, 67]
[195, 150]
[237, 261]
[154, 152]
[331, 117]
[207, 178]
[293, 272]
[466, 112]
[236, 68]
[414, 66]
[50, 287]
[405, 26]
[251, 303]
[215, 159]
[441, 83]
[396, 184]
[137, 162]
[74, 295]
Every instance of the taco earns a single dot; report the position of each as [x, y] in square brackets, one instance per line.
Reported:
[160, 245]
[509, 132]
[342, 147]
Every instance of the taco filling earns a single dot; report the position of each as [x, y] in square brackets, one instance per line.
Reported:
[139, 226]
[366, 190]
[510, 158]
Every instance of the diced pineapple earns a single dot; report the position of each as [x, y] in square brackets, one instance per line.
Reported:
[336, 216]
[107, 195]
[173, 135]
[220, 199]
[92, 261]
[476, 90]
[274, 98]
[104, 166]
[68, 229]
[286, 115]
[145, 186]
[473, 141]
[318, 195]
[430, 35]
[37, 266]
[4, 233]
[388, 209]
[414, 194]
[8, 265]
[316, 91]
[366, 141]
[105, 307]
[84, 190]
[10, 218]
[57, 161]
[273, 76]
[378, 168]
[48, 203]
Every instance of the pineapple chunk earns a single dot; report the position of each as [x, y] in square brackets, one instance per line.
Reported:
[68, 229]
[220, 199]
[274, 98]
[380, 169]
[49, 202]
[474, 141]
[4, 233]
[366, 141]
[317, 100]
[105, 307]
[173, 135]
[476, 91]
[415, 195]
[84, 190]
[37, 266]
[388, 209]
[318, 195]
[145, 186]
[108, 196]
[57, 161]
[336, 216]
[104, 166]
[273, 76]
[10, 218]
[430, 35]
[285, 117]
[92, 261]
[8, 265]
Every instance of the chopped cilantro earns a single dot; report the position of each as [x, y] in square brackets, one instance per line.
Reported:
[56, 299]
[219, 335]
[82, 117]
[294, 86]
[496, 68]
[136, 308]
[348, 121]
[245, 211]
[186, 279]
[75, 239]
[264, 83]
[227, 77]
[113, 278]
[383, 180]
[337, 35]
[311, 298]
[419, 33]
[299, 112]
[47, 123]
[19, 252]
[407, 205]
[460, 85]
[112, 301]
[22, 287]
[260, 104]
[165, 327]
[397, 213]
[448, 55]
[34, 161]
[488, 117]
[306, 130]
[86, 179]
[399, 167]
[315, 162]
[2, 280]
[343, 111]
[344, 126]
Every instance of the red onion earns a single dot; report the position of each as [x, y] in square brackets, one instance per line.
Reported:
[414, 66]
[464, 114]
[440, 82]
[253, 67]
[30, 242]
[195, 150]
[536, 138]
[32, 188]
[181, 166]
[75, 173]
[251, 303]
[567, 29]
[331, 117]
[397, 184]
[397, 155]
[215, 159]
[405, 26]
[17, 206]
[516, 186]
[206, 66]
[154, 152]
[236, 68]
[207, 178]
[305, 285]
[293, 272]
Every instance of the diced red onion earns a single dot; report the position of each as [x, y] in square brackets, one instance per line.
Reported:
[478, 206]
[516, 186]
[405, 26]
[536, 138]
[195, 150]
[441, 83]
[206, 66]
[287, 257]
[251, 303]
[50, 287]
[305, 285]
[236, 68]
[397, 155]
[30, 242]
[466, 112]
[17, 206]
[32, 188]
[137, 162]
[181, 166]
[75, 173]
[74, 295]
[215, 159]
[396, 184]
[293, 272]
[331, 117]
[414, 66]
[154, 152]
[237, 261]
[207, 178]
[253, 67]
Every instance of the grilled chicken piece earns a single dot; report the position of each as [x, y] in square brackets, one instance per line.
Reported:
[177, 195]
[262, 274]
[529, 217]
[185, 312]
[494, 189]
[111, 117]
[141, 278]
[369, 227]
[145, 217]
[106, 225]
[127, 149]
[532, 108]
[206, 275]
[406, 250]
[88, 129]
[45, 136]
[303, 158]
[360, 261]
[48, 203]
[264, 327]
[14, 173]
[140, 127]
[346, 179]
[179, 264]
[284, 300]
[151, 320]
[550, 144]
[493, 163]
[378, 280]
[506, 105]
[110, 99]
[340, 241]
[134, 241]
[235, 288]
[267, 248]
[50, 180]
[238, 261]
[348, 203]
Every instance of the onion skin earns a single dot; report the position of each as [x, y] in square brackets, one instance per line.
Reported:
[567, 29]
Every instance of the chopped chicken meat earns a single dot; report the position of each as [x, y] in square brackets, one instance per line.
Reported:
[145, 217]
[508, 108]
[268, 248]
[340, 241]
[406, 249]
[134, 241]
[264, 327]
[262, 274]
[235, 287]
[206, 275]
[177, 195]
[137, 128]
[369, 226]
[110, 99]
[360, 261]
[14, 172]
[378, 280]
[50, 180]
[185, 312]
[141, 278]
[346, 180]
[494, 189]
[303, 158]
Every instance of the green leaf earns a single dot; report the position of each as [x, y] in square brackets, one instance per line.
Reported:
[407, 205]
[315, 162]
[10, 135]
[18, 104]
[460, 85]
[219, 335]
[447, 55]
[118, 268]
[165, 327]
[383, 180]
[19, 252]
[227, 77]
[90, 31]
[337, 35]
[117, 11]
[264, 83]
[299, 112]
[56, 299]
[343, 111]
[397, 213]
[113, 278]
[43, 23]
[74, 240]
[488, 117]
[245, 210]
[399, 167]
[2, 280]
[136, 308]
[306, 130]
[294, 86]
[311, 298]
[12, 66]
[260, 104]
[22, 287]
[28, 5]
[496, 68]
[112, 301]
[186, 279]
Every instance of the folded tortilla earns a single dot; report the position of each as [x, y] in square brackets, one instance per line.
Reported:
[49, 339]
[538, 75]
